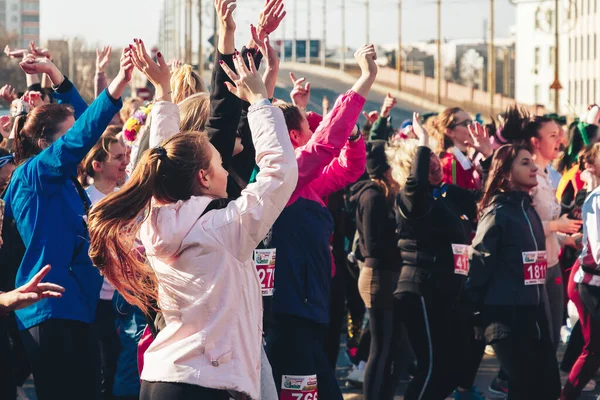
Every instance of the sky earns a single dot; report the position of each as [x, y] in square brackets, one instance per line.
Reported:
[117, 22]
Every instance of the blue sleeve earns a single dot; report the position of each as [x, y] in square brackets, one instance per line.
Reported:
[74, 99]
[59, 161]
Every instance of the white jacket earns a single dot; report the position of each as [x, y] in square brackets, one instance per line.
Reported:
[209, 290]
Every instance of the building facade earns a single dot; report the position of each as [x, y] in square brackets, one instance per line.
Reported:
[21, 18]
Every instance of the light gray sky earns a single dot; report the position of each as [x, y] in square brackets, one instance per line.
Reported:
[116, 22]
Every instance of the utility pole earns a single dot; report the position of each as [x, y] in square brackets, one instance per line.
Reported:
[200, 44]
[399, 53]
[556, 86]
[439, 52]
[308, 31]
[491, 60]
[343, 50]
[177, 26]
[368, 21]
[188, 32]
[295, 38]
[324, 40]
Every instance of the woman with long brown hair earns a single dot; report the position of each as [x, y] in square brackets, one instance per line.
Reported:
[508, 265]
[199, 250]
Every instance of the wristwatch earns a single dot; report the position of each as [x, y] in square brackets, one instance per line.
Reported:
[356, 136]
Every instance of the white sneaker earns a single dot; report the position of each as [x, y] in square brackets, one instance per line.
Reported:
[590, 387]
[21, 393]
[489, 350]
[356, 377]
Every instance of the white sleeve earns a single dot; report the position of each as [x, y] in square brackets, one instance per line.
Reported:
[591, 220]
[247, 220]
[165, 122]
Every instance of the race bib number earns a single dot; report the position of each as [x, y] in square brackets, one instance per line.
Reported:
[264, 260]
[461, 259]
[295, 387]
[535, 265]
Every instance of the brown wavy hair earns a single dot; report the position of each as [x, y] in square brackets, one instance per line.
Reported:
[498, 177]
[115, 221]
[98, 153]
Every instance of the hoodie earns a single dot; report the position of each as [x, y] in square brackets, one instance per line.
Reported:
[376, 226]
[209, 291]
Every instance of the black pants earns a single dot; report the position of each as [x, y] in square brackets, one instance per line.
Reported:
[389, 355]
[108, 344]
[295, 347]
[470, 349]
[430, 323]
[530, 365]
[574, 348]
[179, 391]
[64, 359]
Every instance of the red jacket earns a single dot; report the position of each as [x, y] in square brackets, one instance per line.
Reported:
[454, 173]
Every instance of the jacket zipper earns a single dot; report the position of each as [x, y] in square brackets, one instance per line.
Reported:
[537, 287]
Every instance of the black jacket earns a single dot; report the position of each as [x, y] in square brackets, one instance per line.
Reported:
[496, 282]
[431, 219]
[376, 226]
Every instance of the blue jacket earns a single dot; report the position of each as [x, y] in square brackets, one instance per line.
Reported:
[43, 200]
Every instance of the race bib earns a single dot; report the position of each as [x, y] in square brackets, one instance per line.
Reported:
[295, 387]
[264, 260]
[461, 259]
[535, 265]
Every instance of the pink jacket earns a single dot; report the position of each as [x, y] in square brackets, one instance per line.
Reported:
[329, 162]
[209, 290]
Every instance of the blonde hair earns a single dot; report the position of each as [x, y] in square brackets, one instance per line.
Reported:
[400, 154]
[130, 106]
[185, 83]
[194, 112]
[445, 120]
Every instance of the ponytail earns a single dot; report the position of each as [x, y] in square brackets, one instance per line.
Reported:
[166, 174]
[185, 83]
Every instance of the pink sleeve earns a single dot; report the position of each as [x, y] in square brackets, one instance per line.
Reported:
[328, 140]
[314, 120]
[343, 170]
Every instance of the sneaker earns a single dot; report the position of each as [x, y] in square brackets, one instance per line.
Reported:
[489, 350]
[356, 378]
[590, 387]
[499, 387]
[471, 394]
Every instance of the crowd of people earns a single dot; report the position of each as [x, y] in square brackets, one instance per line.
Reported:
[214, 242]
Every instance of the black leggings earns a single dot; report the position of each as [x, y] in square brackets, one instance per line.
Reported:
[389, 355]
[179, 391]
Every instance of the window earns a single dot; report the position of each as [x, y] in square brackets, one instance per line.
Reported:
[30, 18]
[31, 6]
[551, 55]
[536, 94]
[570, 49]
[536, 57]
[31, 31]
[575, 49]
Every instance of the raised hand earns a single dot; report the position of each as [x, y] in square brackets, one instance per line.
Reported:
[271, 57]
[300, 94]
[103, 58]
[371, 117]
[480, 140]
[157, 73]
[8, 93]
[325, 105]
[19, 53]
[225, 10]
[365, 57]
[248, 86]
[419, 130]
[388, 105]
[117, 86]
[33, 98]
[30, 293]
[270, 17]
[174, 64]
[41, 65]
[39, 51]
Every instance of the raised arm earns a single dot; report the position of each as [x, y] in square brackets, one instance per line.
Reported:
[225, 108]
[102, 60]
[60, 160]
[251, 216]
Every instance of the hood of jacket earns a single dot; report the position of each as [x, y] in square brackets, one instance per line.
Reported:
[167, 226]
[359, 188]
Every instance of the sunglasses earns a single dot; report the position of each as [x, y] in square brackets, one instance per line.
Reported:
[6, 160]
[465, 123]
